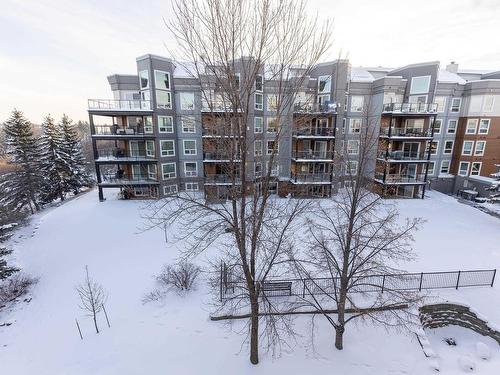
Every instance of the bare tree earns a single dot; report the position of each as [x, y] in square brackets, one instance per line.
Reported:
[92, 297]
[237, 47]
[356, 242]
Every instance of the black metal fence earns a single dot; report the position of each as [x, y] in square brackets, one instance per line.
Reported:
[230, 287]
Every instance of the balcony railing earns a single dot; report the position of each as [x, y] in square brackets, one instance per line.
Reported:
[307, 107]
[221, 155]
[314, 132]
[403, 155]
[121, 130]
[410, 108]
[311, 177]
[121, 155]
[400, 178]
[313, 155]
[119, 105]
[221, 178]
[119, 178]
[408, 132]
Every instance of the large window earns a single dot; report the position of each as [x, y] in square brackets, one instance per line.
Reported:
[420, 85]
[190, 169]
[452, 127]
[162, 80]
[448, 147]
[455, 105]
[187, 100]
[437, 126]
[272, 102]
[475, 169]
[471, 126]
[259, 83]
[144, 79]
[168, 170]
[484, 126]
[167, 148]
[163, 99]
[257, 124]
[441, 103]
[480, 146]
[357, 103]
[272, 125]
[467, 147]
[430, 168]
[352, 147]
[445, 167]
[271, 145]
[259, 101]
[188, 124]
[189, 146]
[257, 148]
[150, 149]
[165, 124]
[324, 84]
[354, 126]
[352, 168]
[148, 124]
[463, 168]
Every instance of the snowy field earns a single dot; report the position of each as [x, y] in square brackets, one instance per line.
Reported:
[177, 337]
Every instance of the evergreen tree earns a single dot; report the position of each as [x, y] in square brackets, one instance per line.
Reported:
[9, 220]
[51, 161]
[76, 174]
[21, 188]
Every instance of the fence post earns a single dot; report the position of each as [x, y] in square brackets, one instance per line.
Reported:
[383, 282]
[493, 278]
[79, 330]
[458, 279]
[220, 291]
[421, 278]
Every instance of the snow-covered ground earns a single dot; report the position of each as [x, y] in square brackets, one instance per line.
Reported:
[177, 337]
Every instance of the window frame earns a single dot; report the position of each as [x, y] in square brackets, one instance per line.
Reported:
[185, 119]
[474, 121]
[169, 88]
[191, 184]
[472, 168]
[191, 172]
[140, 79]
[184, 148]
[450, 149]
[471, 148]
[443, 108]
[482, 151]
[328, 83]
[355, 141]
[481, 121]
[168, 105]
[257, 106]
[430, 172]
[164, 141]
[459, 105]
[412, 92]
[460, 168]
[159, 117]
[175, 189]
[448, 162]
[190, 93]
[351, 122]
[358, 109]
[261, 124]
[255, 153]
[440, 121]
[163, 172]
[454, 129]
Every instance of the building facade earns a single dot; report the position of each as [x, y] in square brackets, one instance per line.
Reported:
[437, 128]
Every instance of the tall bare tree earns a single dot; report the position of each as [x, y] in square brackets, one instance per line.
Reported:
[236, 48]
[92, 297]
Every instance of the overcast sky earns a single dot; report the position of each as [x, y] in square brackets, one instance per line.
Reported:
[54, 54]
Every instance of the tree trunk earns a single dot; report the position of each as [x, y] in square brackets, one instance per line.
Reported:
[339, 337]
[254, 331]
[95, 321]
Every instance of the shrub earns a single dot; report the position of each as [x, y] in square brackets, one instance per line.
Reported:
[15, 286]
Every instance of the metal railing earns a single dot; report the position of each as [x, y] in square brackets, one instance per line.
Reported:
[122, 130]
[119, 105]
[232, 287]
[313, 155]
[126, 179]
[307, 107]
[119, 154]
[410, 108]
[314, 131]
[408, 132]
[311, 177]
[402, 155]
[402, 179]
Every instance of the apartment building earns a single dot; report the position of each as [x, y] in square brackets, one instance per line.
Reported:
[157, 135]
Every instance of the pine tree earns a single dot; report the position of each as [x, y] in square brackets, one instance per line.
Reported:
[76, 174]
[51, 161]
[22, 187]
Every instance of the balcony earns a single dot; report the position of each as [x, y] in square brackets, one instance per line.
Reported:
[410, 108]
[314, 132]
[319, 108]
[122, 132]
[122, 179]
[221, 179]
[400, 179]
[405, 133]
[121, 156]
[402, 156]
[221, 156]
[311, 178]
[310, 155]
[110, 105]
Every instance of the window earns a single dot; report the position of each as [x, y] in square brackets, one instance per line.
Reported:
[480, 146]
[272, 125]
[430, 168]
[437, 126]
[455, 105]
[452, 127]
[270, 147]
[463, 168]
[344, 120]
[475, 169]
[433, 145]
[324, 84]
[441, 103]
[191, 186]
[445, 167]
[144, 79]
[190, 169]
[489, 101]
[448, 147]
[259, 101]
[258, 169]
[257, 124]
[274, 168]
[162, 80]
[170, 189]
[188, 125]
[163, 99]
[484, 126]
[352, 168]
[467, 147]
[259, 83]
[422, 99]
[471, 126]
[165, 124]
[150, 148]
[167, 148]
[323, 99]
[152, 171]
[352, 147]
[189, 147]
[354, 126]
[148, 125]
[187, 100]
[257, 148]
[272, 103]
[168, 170]
[357, 103]
[420, 85]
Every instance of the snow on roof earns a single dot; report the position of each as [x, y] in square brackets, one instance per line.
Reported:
[489, 180]
[449, 77]
[474, 71]
[360, 74]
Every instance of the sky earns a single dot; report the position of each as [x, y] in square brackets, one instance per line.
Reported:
[55, 54]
